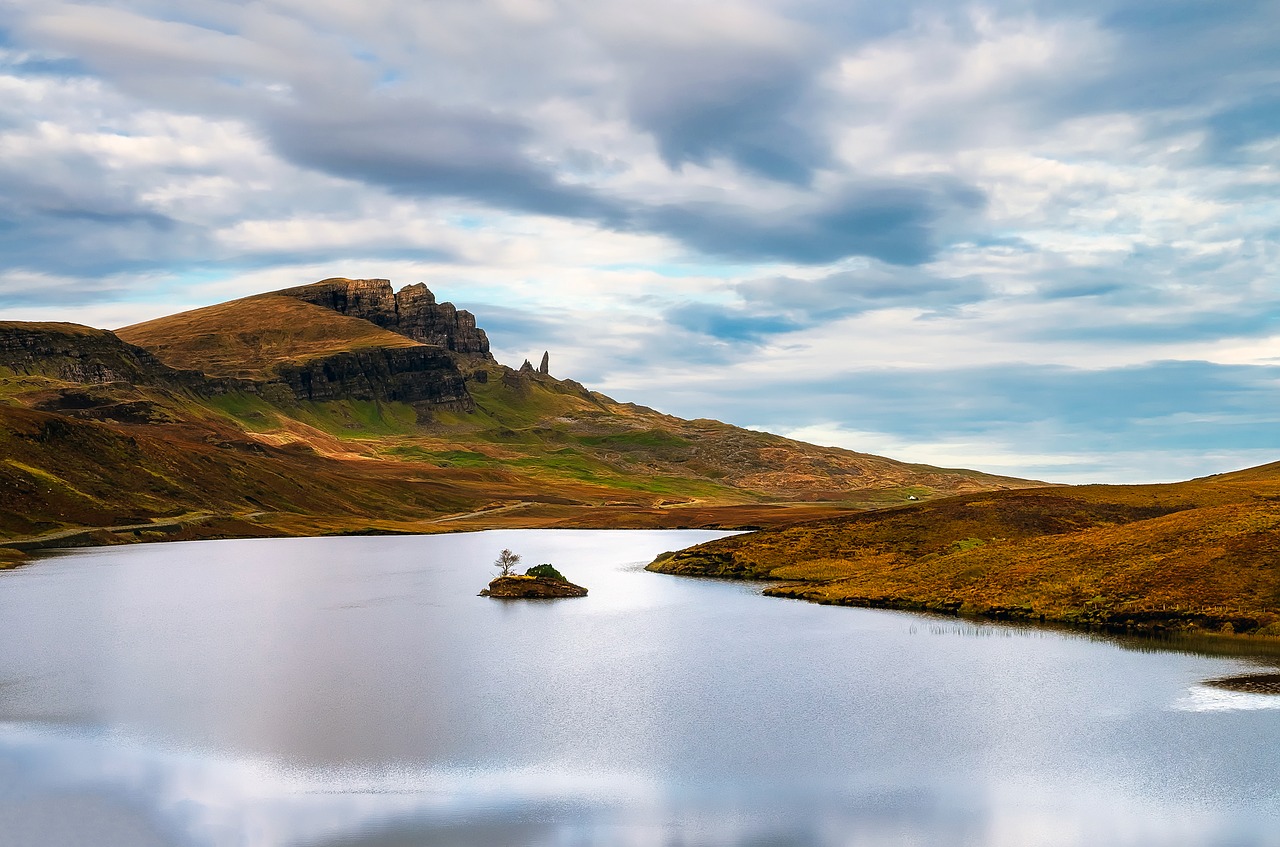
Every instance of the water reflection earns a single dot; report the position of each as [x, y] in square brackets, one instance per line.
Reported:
[1265, 650]
[1252, 683]
[77, 790]
[356, 692]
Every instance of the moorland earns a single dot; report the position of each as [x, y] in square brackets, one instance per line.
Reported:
[1202, 554]
[345, 406]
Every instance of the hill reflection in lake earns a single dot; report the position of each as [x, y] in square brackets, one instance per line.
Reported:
[355, 691]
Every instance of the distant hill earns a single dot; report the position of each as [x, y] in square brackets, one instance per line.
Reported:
[346, 406]
[1202, 554]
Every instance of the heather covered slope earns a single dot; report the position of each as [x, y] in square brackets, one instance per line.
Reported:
[1204, 553]
[59, 472]
[250, 338]
[344, 406]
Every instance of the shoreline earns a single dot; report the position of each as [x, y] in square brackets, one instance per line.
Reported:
[201, 526]
[1151, 626]
[1154, 633]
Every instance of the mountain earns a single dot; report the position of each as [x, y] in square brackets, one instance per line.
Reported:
[347, 406]
[1202, 554]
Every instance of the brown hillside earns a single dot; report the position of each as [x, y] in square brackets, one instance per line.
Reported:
[248, 338]
[1203, 553]
[59, 472]
[60, 327]
[347, 406]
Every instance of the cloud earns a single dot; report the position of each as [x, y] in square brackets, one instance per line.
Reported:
[1244, 123]
[414, 147]
[1157, 422]
[1186, 42]
[734, 82]
[763, 308]
[743, 110]
[867, 289]
[57, 215]
[893, 196]
[753, 100]
[728, 325]
[894, 221]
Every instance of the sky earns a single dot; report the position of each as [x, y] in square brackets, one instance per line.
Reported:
[1034, 237]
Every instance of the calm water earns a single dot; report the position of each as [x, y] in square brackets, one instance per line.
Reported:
[355, 691]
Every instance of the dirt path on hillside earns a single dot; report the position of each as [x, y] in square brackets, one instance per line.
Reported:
[59, 538]
[484, 512]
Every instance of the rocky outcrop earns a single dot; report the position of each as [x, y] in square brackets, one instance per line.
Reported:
[119, 402]
[425, 320]
[96, 357]
[531, 587]
[545, 366]
[80, 354]
[412, 312]
[421, 376]
[517, 381]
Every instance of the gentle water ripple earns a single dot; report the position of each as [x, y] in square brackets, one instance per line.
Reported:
[356, 693]
[1203, 698]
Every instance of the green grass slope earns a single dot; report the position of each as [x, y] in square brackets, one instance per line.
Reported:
[536, 419]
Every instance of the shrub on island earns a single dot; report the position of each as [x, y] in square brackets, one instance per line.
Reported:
[545, 571]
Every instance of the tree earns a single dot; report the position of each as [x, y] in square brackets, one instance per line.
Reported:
[506, 562]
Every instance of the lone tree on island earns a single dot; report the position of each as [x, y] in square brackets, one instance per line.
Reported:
[506, 562]
[539, 582]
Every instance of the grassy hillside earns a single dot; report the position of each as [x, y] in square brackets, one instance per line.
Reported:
[60, 327]
[248, 338]
[100, 431]
[1204, 553]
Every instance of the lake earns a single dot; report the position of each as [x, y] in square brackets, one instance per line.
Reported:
[356, 691]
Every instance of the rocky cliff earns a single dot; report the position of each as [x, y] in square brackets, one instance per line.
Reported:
[79, 354]
[92, 374]
[412, 312]
[421, 376]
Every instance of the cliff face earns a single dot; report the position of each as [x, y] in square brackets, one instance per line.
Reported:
[79, 354]
[412, 312]
[110, 379]
[422, 376]
[416, 375]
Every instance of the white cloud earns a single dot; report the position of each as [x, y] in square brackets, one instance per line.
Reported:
[169, 175]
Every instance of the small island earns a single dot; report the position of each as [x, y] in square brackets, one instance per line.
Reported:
[538, 582]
